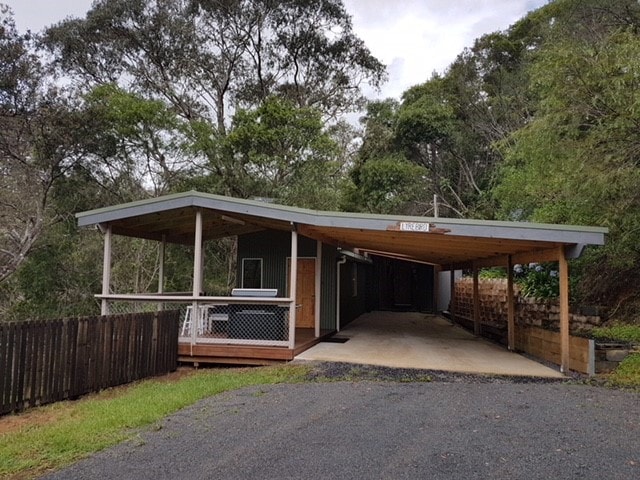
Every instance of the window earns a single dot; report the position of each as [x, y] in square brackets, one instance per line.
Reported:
[251, 273]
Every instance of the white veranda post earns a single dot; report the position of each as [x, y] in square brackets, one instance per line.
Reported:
[197, 276]
[106, 271]
[161, 257]
[293, 274]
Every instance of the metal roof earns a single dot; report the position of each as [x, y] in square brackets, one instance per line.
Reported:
[447, 240]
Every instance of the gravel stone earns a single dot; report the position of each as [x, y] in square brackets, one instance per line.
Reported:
[355, 422]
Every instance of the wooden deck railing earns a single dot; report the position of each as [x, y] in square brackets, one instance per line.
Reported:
[52, 360]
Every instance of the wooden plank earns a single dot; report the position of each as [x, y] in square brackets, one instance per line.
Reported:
[538, 256]
[58, 358]
[73, 360]
[4, 342]
[546, 345]
[496, 261]
[8, 370]
[18, 358]
[265, 353]
[33, 362]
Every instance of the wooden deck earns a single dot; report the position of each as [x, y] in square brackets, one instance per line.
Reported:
[248, 355]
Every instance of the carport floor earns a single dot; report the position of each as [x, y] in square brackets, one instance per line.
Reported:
[417, 340]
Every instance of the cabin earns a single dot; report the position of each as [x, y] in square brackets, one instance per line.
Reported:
[304, 274]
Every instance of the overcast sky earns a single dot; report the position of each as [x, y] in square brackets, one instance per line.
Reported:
[413, 38]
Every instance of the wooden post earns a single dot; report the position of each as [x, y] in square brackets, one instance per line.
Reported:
[511, 310]
[318, 287]
[197, 277]
[563, 271]
[106, 270]
[293, 274]
[452, 290]
[477, 330]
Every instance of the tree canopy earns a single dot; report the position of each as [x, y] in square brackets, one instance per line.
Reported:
[247, 98]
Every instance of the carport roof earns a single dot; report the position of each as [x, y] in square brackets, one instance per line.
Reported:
[448, 241]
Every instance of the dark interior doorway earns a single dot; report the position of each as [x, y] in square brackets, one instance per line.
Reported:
[402, 286]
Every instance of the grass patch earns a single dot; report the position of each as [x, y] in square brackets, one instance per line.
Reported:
[628, 373]
[618, 332]
[83, 427]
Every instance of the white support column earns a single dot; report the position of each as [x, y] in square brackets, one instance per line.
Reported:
[293, 277]
[106, 270]
[318, 287]
[197, 276]
[161, 258]
[511, 308]
[452, 289]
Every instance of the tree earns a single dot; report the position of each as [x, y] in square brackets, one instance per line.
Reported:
[33, 147]
[204, 56]
[576, 161]
[281, 151]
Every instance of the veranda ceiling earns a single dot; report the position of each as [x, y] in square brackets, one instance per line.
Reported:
[447, 242]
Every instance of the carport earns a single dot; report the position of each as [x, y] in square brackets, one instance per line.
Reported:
[421, 341]
[192, 218]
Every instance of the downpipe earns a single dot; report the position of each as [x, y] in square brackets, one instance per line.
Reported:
[339, 263]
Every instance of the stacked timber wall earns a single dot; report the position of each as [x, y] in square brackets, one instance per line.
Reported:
[537, 322]
[529, 311]
[52, 360]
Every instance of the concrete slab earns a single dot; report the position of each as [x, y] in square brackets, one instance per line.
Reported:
[416, 340]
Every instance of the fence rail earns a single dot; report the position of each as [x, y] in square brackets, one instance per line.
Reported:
[52, 360]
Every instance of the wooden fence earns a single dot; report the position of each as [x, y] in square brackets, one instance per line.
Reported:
[51, 360]
[545, 344]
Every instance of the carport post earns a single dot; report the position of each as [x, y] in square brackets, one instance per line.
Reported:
[511, 310]
[563, 268]
[476, 303]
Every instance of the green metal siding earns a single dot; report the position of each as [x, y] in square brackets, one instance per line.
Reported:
[274, 247]
[352, 306]
[328, 288]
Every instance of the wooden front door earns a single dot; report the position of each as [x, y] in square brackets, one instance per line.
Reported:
[305, 292]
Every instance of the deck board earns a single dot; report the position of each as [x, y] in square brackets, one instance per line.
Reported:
[248, 355]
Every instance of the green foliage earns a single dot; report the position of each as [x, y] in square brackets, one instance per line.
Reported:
[576, 160]
[78, 429]
[282, 151]
[619, 332]
[387, 185]
[492, 273]
[540, 281]
[627, 374]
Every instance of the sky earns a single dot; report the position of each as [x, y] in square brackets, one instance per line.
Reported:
[414, 38]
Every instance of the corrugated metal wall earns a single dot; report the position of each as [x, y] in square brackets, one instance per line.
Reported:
[274, 247]
[328, 300]
[352, 306]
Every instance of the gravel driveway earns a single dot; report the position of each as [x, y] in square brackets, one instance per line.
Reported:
[452, 428]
